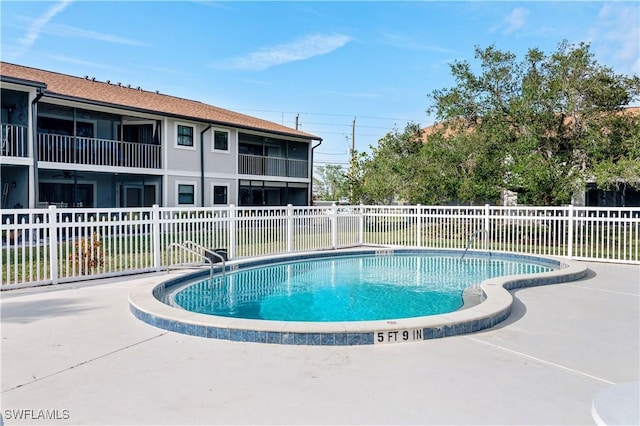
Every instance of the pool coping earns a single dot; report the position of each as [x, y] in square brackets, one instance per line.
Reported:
[495, 308]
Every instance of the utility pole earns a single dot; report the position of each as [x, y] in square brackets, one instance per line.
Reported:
[353, 156]
[297, 118]
[353, 139]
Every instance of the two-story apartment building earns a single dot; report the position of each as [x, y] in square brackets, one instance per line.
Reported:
[74, 141]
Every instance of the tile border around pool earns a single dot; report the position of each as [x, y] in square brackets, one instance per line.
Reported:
[145, 305]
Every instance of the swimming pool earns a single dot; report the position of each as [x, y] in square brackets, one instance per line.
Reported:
[347, 288]
[146, 301]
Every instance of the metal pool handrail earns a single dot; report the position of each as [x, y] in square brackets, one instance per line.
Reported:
[187, 249]
[470, 240]
[209, 251]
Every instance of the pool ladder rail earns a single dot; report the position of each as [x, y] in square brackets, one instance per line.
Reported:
[186, 246]
[473, 237]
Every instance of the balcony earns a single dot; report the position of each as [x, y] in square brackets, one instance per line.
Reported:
[272, 166]
[14, 141]
[97, 152]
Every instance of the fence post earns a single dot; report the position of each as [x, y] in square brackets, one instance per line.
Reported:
[418, 225]
[487, 224]
[289, 228]
[155, 232]
[361, 225]
[232, 231]
[53, 244]
[333, 216]
[570, 232]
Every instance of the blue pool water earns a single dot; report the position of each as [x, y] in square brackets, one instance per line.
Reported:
[354, 288]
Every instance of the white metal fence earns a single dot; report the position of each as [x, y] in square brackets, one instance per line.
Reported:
[55, 245]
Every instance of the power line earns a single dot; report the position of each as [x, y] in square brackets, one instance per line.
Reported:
[327, 124]
[329, 114]
[346, 125]
[331, 162]
[345, 133]
[331, 153]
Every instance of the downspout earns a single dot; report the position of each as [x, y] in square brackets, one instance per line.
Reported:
[202, 165]
[75, 151]
[311, 181]
[34, 130]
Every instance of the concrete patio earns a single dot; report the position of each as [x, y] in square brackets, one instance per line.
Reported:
[76, 354]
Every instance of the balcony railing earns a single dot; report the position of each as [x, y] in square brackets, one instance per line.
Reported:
[14, 141]
[97, 152]
[272, 166]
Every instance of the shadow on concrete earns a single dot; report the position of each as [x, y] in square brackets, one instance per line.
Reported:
[30, 311]
[590, 275]
[518, 309]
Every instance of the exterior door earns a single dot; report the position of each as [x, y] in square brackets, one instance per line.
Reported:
[139, 196]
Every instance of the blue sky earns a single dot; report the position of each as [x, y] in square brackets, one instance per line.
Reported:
[326, 62]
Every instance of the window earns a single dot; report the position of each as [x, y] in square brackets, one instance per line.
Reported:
[249, 148]
[80, 194]
[267, 193]
[220, 194]
[220, 140]
[185, 135]
[138, 196]
[137, 133]
[186, 194]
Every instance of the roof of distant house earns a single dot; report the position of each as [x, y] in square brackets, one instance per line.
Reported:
[133, 98]
[426, 131]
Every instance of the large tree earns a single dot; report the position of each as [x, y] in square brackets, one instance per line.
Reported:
[392, 171]
[329, 183]
[541, 127]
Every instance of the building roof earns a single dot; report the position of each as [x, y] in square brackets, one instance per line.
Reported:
[133, 98]
[426, 131]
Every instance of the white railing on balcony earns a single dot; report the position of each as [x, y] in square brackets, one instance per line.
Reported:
[272, 166]
[98, 152]
[55, 245]
[14, 140]
[297, 168]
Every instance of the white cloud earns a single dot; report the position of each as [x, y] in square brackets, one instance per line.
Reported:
[303, 48]
[67, 31]
[84, 63]
[36, 27]
[615, 37]
[44, 25]
[515, 20]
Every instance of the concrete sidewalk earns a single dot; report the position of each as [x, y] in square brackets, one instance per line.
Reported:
[74, 354]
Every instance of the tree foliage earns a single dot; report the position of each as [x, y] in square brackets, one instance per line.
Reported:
[329, 183]
[395, 171]
[542, 126]
[551, 119]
